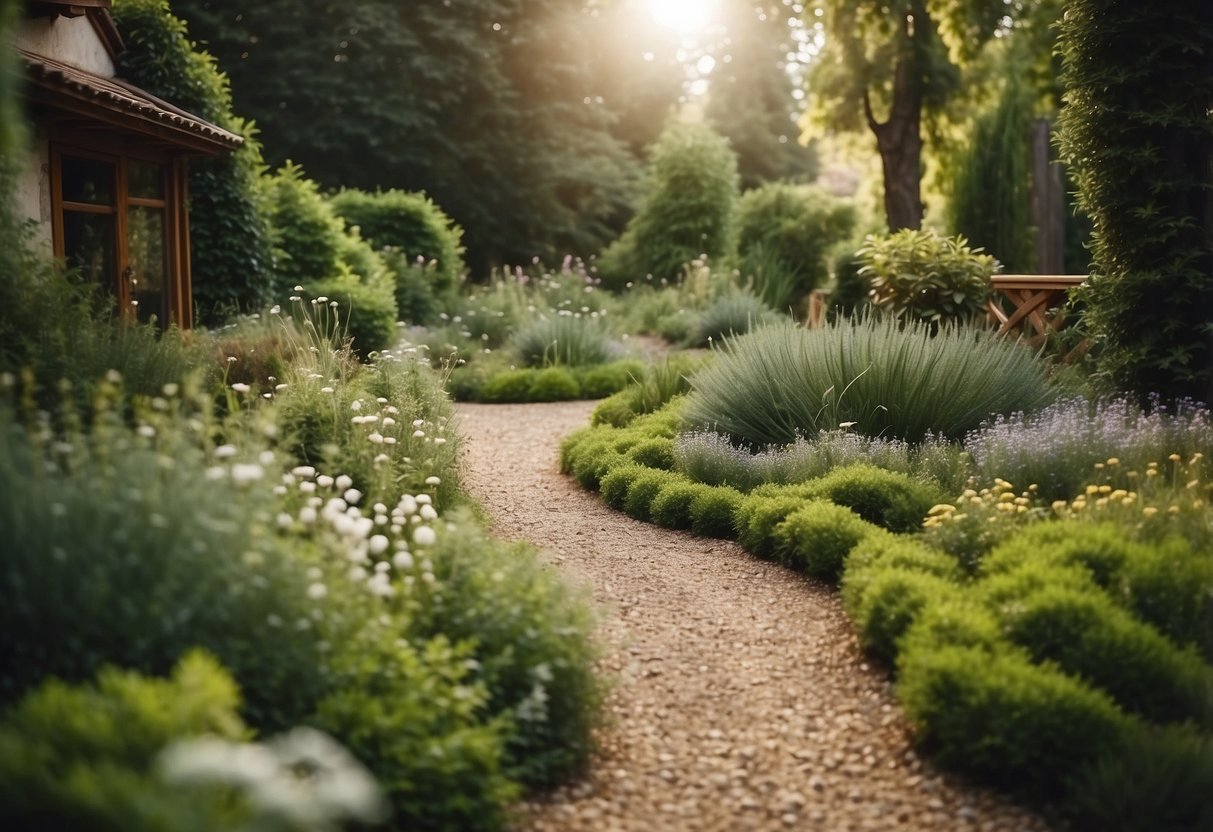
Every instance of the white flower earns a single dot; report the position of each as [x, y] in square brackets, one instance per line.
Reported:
[266, 457]
[428, 513]
[375, 438]
[357, 574]
[440, 441]
[424, 499]
[407, 505]
[240, 387]
[324, 481]
[356, 404]
[326, 389]
[304, 472]
[418, 422]
[378, 544]
[307, 487]
[275, 309]
[170, 389]
[245, 473]
[417, 434]
[298, 289]
[388, 421]
[402, 559]
[352, 495]
[307, 514]
[285, 520]
[225, 451]
[424, 536]
[343, 482]
[433, 481]
[147, 431]
[317, 591]
[380, 584]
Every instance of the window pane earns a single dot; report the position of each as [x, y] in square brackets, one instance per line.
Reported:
[88, 243]
[88, 180]
[144, 179]
[148, 267]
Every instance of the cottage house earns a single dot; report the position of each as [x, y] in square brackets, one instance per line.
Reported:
[107, 180]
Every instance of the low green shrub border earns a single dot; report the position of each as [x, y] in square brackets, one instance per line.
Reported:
[818, 537]
[496, 383]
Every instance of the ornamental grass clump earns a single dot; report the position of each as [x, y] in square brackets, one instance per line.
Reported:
[1063, 446]
[567, 339]
[876, 376]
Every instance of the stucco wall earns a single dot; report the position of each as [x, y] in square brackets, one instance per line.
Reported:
[71, 40]
[34, 191]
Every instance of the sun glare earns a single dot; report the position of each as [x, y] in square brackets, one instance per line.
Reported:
[685, 16]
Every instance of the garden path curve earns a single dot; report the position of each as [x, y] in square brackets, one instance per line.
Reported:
[740, 699]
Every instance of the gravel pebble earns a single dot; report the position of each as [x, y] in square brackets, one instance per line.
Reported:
[740, 698]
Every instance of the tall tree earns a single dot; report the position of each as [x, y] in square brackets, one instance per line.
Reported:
[487, 105]
[1137, 129]
[884, 65]
[750, 98]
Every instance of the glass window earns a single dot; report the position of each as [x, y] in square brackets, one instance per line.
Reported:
[144, 180]
[88, 180]
[89, 245]
[147, 272]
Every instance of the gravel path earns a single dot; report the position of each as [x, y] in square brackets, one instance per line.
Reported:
[740, 701]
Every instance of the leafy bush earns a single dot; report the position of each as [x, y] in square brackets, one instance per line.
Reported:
[891, 601]
[731, 314]
[307, 236]
[818, 537]
[794, 225]
[712, 512]
[1061, 447]
[508, 387]
[616, 484]
[367, 309]
[671, 508]
[562, 340]
[230, 256]
[84, 757]
[1083, 633]
[1001, 717]
[756, 518]
[654, 453]
[1168, 584]
[553, 384]
[644, 490]
[532, 649]
[888, 499]
[952, 621]
[598, 382]
[411, 223]
[687, 211]
[885, 379]
[921, 276]
[1137, 143]
[1160, 782]
[416, 718]
[104, 564]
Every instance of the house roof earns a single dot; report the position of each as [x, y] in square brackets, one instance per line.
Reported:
[77, 93]
[98, 14]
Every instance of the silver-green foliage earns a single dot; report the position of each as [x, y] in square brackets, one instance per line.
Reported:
[878, 376]
[562, 340]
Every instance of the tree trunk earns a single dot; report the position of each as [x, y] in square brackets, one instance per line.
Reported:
[899, 138]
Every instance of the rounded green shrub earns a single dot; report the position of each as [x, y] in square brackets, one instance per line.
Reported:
[671, 508]
[367, 311]
[881, 377]
[655, 453]
[889, 499]
[1160, 782]
[794, 226]
[891, 600]
[1086, 635]
[954, 621]
[617, 410]
[818, 537]
[608, 379]
[590, 470]
[757, 517]
[686, 213]
[553, 384]
[570, 446]
[509, 387]
[643, 490]
[998, 716]
[616, 484]
[410, 222]
[1166, 583]
[713, 510]
[307, 236]
[921, 276]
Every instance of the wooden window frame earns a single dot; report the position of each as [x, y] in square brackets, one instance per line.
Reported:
[178, 289]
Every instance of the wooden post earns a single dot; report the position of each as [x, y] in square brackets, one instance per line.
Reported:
[1048, 202]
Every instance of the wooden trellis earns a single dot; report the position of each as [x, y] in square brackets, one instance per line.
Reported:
[1032, 307]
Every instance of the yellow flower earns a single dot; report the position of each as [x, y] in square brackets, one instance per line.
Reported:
[1172, 509]
[969, 492]
[1113, 461]
[1006, 497]
[1193, 483]
[1060, 506]
[1092, 489]
[1175, 457]
[1149, 511]
[1105, 489]
[941, 508]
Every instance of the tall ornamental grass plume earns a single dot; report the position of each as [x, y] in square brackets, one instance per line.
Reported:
[874, 375]
[563, 339]
[1062, 447]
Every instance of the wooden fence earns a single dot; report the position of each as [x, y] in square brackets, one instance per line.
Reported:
[1027, 306]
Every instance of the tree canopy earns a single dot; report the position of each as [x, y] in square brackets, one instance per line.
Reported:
[487, 105]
